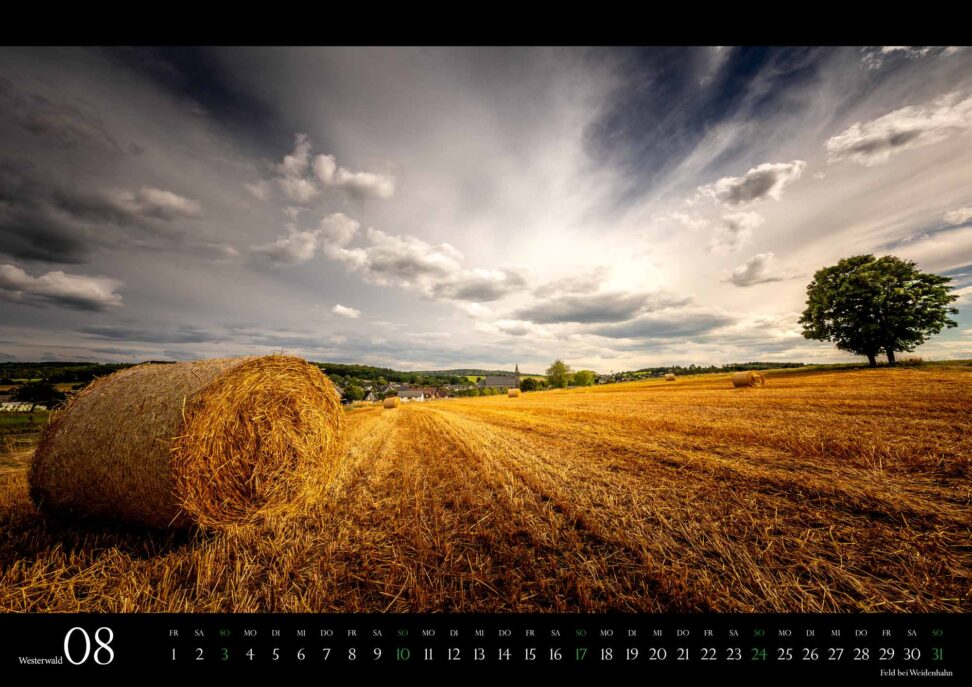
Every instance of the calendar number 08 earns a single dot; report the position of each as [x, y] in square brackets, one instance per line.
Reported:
[103, 654]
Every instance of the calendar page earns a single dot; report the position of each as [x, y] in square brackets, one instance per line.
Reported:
[398, 356]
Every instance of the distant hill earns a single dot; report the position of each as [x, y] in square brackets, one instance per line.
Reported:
[472, 372]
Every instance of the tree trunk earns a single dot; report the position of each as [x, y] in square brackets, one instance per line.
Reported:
[890, 352]
[872, 360]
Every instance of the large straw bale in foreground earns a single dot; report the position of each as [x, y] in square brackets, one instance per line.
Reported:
[207, 442]
[747, 378]
[391, 402]
[513, 393]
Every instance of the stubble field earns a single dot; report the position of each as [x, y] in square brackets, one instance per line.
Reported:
[823, 491]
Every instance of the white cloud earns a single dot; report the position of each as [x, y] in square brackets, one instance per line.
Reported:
[764, 181]
[689, 221]
[292, 171]
[297, 189]
[152, 202]
[941, 251]
[476, 310]
[338, 229]
[301, 180]
[602, 306]
[964, 295]
[875, 58]
[508, 327]
[259, 190]
[735, 230]
[874, 142]
[759, 269]
[361, 184]
[57, 288]
[344, 311]
[295, 248]
[480, 284]
[296, 163]
[958, 216]
[401, 260]
[300, 246]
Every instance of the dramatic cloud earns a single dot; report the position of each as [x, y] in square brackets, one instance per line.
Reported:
[759, 269]
[57, 288]
[484, 207]
[301, 181]
[598, 307]
[167, 334]
[292, 170]
[58, 124]
[958, 217]
[293, 249]
[344, 311]
[401, 260]
[735, 230]
[875, 58]
[360, 184]
[41, 220]
[338, 229]
[874, 142]
[507, 327]
[765, 181]
[479, 285]
[259, 190]
[145, 203]
[667, 324]
[300, 246]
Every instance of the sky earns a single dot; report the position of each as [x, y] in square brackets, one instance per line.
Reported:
[436, 208]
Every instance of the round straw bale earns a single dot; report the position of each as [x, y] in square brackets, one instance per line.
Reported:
[391, 402]
[747, 378]
[670, 377]
[208, 442]
[513, 393]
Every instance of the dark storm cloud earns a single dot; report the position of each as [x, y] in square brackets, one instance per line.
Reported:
[597, 307]
[44, 221]
[765, 181]
[121, 332]
[71, 291]
[666, 325]
[31, 227]
[59, 124]
[671, 98]
[480, 286]
[196, 75]
[759, 269]
[876, 141]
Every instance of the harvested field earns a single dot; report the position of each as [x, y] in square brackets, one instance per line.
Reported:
[823, 491]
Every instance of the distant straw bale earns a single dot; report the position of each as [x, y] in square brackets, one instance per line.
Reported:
[391, 402]
[209, 442]
[748, 378]
[670, 377]
[513, 393]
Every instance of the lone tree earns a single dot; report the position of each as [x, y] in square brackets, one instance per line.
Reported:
[866, 305]
[558, 374]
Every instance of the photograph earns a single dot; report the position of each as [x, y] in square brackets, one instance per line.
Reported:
[458, 357]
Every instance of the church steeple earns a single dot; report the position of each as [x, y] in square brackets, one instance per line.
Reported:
[516, 374]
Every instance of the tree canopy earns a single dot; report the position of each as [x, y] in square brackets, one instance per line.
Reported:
[584, 377]
[866, 305]
[39, 392]
[558, 374]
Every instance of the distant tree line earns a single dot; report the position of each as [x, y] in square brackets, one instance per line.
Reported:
[703, 369]
[57, 373]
